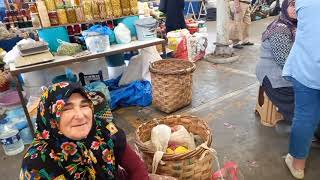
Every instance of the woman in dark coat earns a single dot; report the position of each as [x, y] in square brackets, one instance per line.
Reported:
[174, 14]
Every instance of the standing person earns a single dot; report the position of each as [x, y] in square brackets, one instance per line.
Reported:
[239, 34]
[174, 14]
[303, 68]
[277, 42]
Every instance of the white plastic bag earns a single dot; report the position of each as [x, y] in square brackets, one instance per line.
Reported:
[12, 55]
[138, 68]
[182, 137]
[122, 33]
[197, 45]
[160, 136]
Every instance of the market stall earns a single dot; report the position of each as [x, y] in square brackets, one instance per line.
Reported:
[72, 32]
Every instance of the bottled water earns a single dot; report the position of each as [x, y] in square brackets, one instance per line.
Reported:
[11, 141]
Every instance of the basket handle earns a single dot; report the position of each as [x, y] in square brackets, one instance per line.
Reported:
[214, 153]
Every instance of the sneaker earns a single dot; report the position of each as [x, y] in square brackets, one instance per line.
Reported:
[297, 173]
[247, 44]
[237, 46]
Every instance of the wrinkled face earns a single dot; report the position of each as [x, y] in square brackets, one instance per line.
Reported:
[292, 10]
[76, 117]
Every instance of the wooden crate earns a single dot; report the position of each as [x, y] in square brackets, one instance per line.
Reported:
[268, 112]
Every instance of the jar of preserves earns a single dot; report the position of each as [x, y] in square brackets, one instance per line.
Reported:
[95, 10]
[71, 15]
[35, 20]
[33, 8]
[80, 14]
[87, 10]
[53, 17]
[77, 2]
[50, 5]
[67, 3]
[62, 16]
[59, 4]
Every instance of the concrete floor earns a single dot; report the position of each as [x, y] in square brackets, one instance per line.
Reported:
[222, 94]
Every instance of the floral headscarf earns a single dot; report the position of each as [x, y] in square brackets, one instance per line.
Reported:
[54, 156]
[282, 23]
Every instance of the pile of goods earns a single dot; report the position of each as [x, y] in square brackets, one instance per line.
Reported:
[186, 46]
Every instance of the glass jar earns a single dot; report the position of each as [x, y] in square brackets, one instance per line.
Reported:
[95, 10]
[125, 5]
[59, 4]
[77, 2]
[87, 10]
[35, 20]
[102, 9]
[33, 8]
[67, 3]
[71, 15]
[50, 5]
[80, 14]
[62, 16]
[116, 6]
[53, 17]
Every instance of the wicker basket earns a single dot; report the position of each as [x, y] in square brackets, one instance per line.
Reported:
[171, 84]
[196, 164]
[4, 81]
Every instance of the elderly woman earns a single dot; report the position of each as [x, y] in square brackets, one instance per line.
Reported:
[76, 139]
[277, 42]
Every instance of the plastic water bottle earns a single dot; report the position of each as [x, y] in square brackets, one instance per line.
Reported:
[11, 141]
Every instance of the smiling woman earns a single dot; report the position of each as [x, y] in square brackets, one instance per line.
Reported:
[76, 139]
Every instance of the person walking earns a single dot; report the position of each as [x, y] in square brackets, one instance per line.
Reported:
[239, 34]
[174, 14]
[303, 69]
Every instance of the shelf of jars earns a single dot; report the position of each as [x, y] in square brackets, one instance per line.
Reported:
[56, 13]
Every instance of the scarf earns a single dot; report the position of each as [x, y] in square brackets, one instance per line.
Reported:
[283, 23]
[54, 156]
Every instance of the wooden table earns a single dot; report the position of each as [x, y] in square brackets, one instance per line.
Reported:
[64, 60]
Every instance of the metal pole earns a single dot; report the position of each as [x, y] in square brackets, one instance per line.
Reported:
[24, 104]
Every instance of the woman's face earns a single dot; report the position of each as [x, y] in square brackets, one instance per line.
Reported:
[292, 11]
[76, 117]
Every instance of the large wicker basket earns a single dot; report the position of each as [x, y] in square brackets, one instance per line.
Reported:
[171, 84]
[196, 164]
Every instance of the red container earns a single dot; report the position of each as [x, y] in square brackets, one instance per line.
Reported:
[77, 29]
[70, 30]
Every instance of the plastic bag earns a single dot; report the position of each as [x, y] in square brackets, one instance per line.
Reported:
[123, 34]
[175, 37]
[230, 171]
[196, 46]
[68, 49]
[103, 30]
[137, 93]
[182, 49]
[138, 68]
[12, 55]
[129, 22]
[181, 137]
[160, 136]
